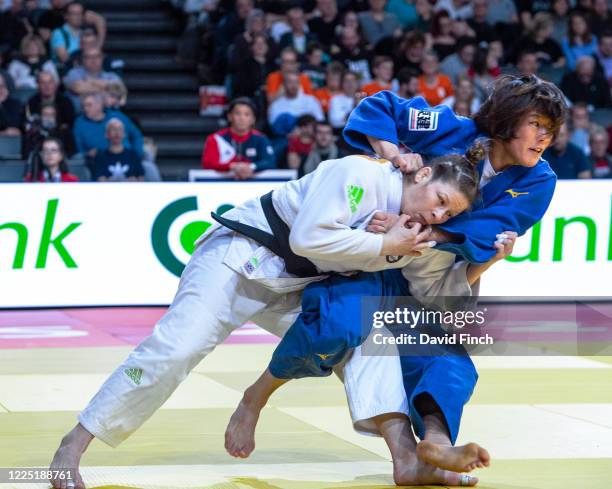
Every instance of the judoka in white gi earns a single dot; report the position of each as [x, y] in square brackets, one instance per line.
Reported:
[316, 225]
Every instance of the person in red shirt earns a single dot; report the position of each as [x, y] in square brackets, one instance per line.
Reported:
[301, 141]
[239, 148]
[49, 164]
[383, 73]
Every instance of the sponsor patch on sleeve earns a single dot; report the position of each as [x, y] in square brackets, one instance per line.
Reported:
[422, 120]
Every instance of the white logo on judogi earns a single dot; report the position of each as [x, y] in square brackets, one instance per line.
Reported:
[422, 120]
[226, 150]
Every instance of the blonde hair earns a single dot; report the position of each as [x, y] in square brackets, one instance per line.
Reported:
[33, 38]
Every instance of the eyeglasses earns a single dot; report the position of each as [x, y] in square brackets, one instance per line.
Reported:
[50, 151]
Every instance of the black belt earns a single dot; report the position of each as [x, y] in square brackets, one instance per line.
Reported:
[277, 242]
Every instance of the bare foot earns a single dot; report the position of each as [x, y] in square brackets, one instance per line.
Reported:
[240, 431]
[68, 457]
[415, 472]
[458, 459]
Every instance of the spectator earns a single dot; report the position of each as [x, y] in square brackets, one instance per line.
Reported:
[528, 8]
[604, 55]
[31, 61]
[462, 108]
[566, 159]
[405, 11]
[45, 126]
[383, 76]
[49, 164]
[55, 17]
[324, 148]
[90, 40]
[601, 18]
[10, 112]
[503, 15]
[600, 160]
[65, 40]
[298, 38]
[239, 148]
[89, 129]
[560, 9]
[249, 77]
[457, 9]
[411, 51]
[116, 163]
[442, 33]
[354, 54]
[333, 84]
[230, 26]
[324, 25]
[479, 22]
[255, 25]
[484, 70]
[115, 95]
[408, 81]
[464, 93]
[48, 94]
[527, 63]
[275, 80]
[425, 12]
[580, 127]
[378, 24]
[12, 30]
[434, 86]
[300, 142]
[90, 77]
[586, 85]
[579, 41]
[459, 63]
[313, 68]
[538, 40]
[341, 104]
[285, 110]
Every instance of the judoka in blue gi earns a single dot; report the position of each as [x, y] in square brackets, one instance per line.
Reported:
[521, 118]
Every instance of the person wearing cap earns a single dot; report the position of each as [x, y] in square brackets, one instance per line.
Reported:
[239, 148]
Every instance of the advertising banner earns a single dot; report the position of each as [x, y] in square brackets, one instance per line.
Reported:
[126, 244]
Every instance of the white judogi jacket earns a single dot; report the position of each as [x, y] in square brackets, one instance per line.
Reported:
[327, 212]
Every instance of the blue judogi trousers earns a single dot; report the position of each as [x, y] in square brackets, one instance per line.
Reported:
[330, 326]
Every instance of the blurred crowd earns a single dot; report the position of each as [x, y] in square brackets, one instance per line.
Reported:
[64, 97]
[305, 64]
[294, 70]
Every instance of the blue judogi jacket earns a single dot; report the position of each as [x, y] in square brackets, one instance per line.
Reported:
[330, 325]
[514, 200]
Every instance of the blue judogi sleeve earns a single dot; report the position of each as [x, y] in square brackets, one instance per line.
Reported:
[436, 131]
[429, 131]
[513, 201]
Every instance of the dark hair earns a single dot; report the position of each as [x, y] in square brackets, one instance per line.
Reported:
[435, 22]
[512, 98]
[37, 164]
[314, 46]
[406, 74]
[305, 120]
[378, 60]
[243, 101]
[460, 170]
[586, 39]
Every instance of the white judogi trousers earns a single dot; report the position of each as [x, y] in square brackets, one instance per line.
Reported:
[212, 300]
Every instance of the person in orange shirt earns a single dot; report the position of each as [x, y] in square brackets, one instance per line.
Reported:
[289, 64]
[433, 85]
[333, 84]
[382, 67]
